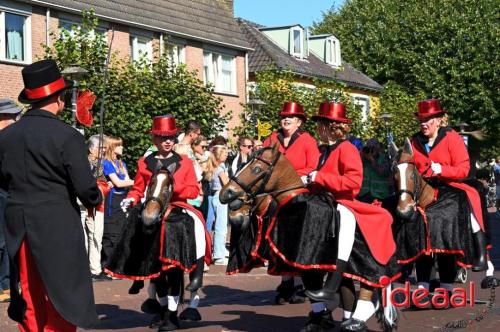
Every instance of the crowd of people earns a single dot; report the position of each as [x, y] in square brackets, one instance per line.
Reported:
[50, 256]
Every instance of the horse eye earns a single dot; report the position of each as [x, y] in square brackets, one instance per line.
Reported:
[256, 170]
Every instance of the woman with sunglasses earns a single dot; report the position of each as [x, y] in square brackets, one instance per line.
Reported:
[179, 247]
[301, 149]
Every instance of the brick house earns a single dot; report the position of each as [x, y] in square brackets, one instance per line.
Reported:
[291, 48]
[203, 34]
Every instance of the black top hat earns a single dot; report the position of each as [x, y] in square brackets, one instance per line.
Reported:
[42, 79]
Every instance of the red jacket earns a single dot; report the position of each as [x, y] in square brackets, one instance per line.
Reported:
[185, 187]
[185, 184]
[448, 150]
[302, 151]
[342, 175]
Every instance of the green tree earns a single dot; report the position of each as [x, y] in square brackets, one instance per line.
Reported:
[447, 49]
[275, 87]
[137, 91]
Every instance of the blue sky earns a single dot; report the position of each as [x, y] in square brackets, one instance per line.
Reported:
[283, 12]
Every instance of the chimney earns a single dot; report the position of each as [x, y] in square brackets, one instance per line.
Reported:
[229, 5]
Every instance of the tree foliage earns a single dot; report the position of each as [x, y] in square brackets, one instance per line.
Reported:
[135, 92]
[275, 87]
[447, 49]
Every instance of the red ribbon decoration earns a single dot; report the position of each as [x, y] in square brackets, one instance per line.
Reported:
[45, 90]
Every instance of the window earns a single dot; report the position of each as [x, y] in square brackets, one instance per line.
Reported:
[220, 70]
[332, 52]
[72, 27]
[176, 53]
[15, 37]
[139, 47]
[363, 102]
[297, 38]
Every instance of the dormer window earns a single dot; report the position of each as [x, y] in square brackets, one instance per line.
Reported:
[332, 52]
[297, 36]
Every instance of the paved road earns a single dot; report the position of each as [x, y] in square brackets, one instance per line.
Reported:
[244, 303]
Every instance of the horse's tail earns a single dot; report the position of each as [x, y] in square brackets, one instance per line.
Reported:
[387, 315]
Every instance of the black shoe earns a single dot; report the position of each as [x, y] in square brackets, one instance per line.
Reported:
[170, 323]
[480, 263]
[190, 314]
[298, 295]
[105, 277]
[285, 291]
[136, 287]
[319, 322]
[353, 324]
[332, 283]
[196, 276]
[96, 277]
[151, 306]
[158, 319]
[489, 282]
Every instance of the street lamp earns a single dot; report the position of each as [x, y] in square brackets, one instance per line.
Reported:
[255, 104]
[463, 133]
[386, 117]
[74, 73]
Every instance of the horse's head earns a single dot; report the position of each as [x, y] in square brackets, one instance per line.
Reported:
[408, 182]
[240, 217]
[267, 172]
[158, 195]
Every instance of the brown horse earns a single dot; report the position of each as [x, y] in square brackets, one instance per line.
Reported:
[413, 190]
[157, 196]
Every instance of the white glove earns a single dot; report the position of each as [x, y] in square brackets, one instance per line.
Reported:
[436, 168]
[312, 176]
[305, 179]
[125, 204]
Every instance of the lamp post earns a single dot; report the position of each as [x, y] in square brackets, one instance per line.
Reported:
[255, 104]
[462, 133]
[386, 117]
[75, 73]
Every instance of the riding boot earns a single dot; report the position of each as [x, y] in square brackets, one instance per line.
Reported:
[332, 283]
[196, 276]
[170, 323]
[158, 318]
[480, 263]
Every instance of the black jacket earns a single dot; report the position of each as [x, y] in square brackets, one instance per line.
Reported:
[44, 168]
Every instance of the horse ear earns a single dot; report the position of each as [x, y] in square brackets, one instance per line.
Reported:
[407, 147]
[158, 166]
[275, 147]
[171, 168]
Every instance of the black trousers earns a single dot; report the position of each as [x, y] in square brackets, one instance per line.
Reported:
[114, 220]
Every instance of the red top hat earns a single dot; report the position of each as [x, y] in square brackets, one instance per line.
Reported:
[333, 112]
[429, 108]
[291, 108]
[164, 126]
[42, 79]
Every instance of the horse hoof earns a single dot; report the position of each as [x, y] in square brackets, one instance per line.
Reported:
[151, 306]
[489, 282]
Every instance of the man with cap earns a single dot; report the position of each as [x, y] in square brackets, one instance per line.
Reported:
[44, 169]
[8, 115]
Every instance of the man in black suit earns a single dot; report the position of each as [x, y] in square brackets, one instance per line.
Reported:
[44, 168]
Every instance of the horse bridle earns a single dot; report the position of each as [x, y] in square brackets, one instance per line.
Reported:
[163, 205]
[264, 176]
[417, 188]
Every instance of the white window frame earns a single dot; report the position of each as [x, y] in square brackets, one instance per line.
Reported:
[216, 77]
[27, 52]
[100, 29]
[292, 42]
[334, 50]
[178, 54]
[134, 39]
[364, 102]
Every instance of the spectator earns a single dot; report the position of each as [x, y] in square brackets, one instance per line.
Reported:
[8, 115]
[116, 173]
[218, 140]
[496, 174]
[191, 132]
[94, 221]
[217, 177]
[201, 154]
[240, 159]
[376, 172]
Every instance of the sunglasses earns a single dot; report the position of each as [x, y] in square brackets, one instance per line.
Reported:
[166, 138]
[249, 146]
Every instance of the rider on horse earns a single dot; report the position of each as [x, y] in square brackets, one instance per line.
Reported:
[301, 150]
[178, 250]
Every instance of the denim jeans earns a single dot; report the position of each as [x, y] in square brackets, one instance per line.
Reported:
[210, 213]
[4, 258]
[220, 231]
